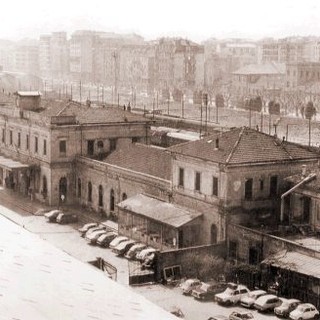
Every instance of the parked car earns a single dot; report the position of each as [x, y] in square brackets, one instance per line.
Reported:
[98, 228]
[240, 315]
[64, 218]
[92, 237]
[218, 317]
[51, 216]
[123, 246]
[86, 227]
[142, 255]
[248, 301]
[207, 290]
[132, 252]
[149, 261]
[41, 212]
[189, 285]
[232, 295]
[304, 311]
[286, 307]
[117, 240]
[105, 239]
[267, 303]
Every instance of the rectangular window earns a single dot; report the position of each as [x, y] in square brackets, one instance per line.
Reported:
[197, 181]
[3, 136]
[273, 186]
[261, 184]
[233, 248]
[90, 147]
[248, 189]
[27, 142]
[44, 147]
[215, 186]
[113, 144]
[181, 177]
[10, 137]
[36, 144]
[19, 139]
[63, 146]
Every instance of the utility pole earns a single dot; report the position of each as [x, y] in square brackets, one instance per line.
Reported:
[80, 93]
[182, 105]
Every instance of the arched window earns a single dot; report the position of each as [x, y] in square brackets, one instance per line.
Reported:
[100, 196]
[112, 200]
[89, 191]
[63, 189]
[79, 188]
[124, 196]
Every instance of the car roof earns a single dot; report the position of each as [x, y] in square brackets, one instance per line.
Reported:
[258, 291]
[307, 305]
[267, 297]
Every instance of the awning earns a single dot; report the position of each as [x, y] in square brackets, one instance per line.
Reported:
[10, 164]
[295, 261]
[161, 211]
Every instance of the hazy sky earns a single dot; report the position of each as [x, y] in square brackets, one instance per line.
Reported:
[195, 19]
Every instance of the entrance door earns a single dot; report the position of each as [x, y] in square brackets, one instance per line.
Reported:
[63, 189]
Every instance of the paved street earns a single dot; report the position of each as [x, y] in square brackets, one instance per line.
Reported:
[67, 238]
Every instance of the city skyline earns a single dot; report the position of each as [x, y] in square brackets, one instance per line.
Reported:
[197, 21]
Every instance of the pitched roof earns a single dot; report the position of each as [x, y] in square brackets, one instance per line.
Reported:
[89, 115]
[267, 68]
[146, 159]
[244, 146]
[164, 212]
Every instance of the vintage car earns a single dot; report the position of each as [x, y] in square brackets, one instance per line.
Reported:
[86, 227]
[232, 295]
[65, 218]
[52, 215]
[134, 250]
[189, 285]
[286, 307]
[241, 315]
[123, 246]
[117, 240]
[207, 290]
[304, 311]
[105, 239]
[267, 303]
[248, 301]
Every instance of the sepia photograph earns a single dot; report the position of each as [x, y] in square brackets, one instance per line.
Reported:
[160, 160]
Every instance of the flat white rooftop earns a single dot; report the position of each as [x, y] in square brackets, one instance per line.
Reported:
[39, 281]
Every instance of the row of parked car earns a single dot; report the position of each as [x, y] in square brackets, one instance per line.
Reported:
[232, 294]
[58, 216]
[99, 234]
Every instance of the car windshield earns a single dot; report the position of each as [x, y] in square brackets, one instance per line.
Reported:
[247, 316]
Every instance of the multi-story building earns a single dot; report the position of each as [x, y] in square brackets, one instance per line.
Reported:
[59, 53]
[45, 137]
[137, 67]
[179, 63]
[282, 50]
[258, 79]
[45, 55]
[26, 59]
[82, 44]
[302, 74]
